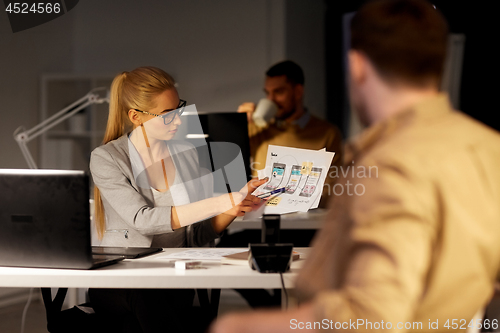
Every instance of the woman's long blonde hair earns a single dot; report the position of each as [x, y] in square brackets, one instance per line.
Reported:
[130, 90]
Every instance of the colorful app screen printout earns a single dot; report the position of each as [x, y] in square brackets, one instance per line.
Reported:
[276, 176]
[311, 182]
[294, 179]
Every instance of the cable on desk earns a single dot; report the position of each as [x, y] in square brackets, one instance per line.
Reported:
[23, 319]
[284, 290]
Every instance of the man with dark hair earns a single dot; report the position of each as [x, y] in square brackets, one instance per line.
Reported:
[406, 45]
[293, 125]
[290, 69]
[419, 250]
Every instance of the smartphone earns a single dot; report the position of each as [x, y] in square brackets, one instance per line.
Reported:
[294, 179]
[311, 183]
[276, 176]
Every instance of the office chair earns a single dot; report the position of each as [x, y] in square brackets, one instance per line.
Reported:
[71, 320]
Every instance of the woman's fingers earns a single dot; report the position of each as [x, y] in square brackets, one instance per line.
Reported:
[249, 205]
[254, 183]
[243, 210]
[256, 200]
[252, 200]
[243, 204]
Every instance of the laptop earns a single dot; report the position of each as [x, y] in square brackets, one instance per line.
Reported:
[127, 252]
[45, 220]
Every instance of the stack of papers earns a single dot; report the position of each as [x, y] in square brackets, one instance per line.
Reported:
[299, 173]
[201, 254]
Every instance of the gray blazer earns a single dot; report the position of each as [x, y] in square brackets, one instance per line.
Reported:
[131, 218]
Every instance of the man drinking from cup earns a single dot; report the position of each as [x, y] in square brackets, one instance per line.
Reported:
[281, 119]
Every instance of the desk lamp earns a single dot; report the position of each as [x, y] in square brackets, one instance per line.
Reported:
[23, 136]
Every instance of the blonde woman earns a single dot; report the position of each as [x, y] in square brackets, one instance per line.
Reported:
[150, 191]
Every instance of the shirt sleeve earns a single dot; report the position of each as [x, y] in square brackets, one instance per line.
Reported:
[384, 251]
[204, 233]
[117, 190]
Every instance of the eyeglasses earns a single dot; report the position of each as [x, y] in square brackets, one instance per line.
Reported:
[169, 116]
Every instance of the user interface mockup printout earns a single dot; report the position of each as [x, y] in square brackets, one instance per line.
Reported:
[300, 175]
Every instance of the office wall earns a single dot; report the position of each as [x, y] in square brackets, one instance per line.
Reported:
[24, 56]
[305, 44]
[217, 50]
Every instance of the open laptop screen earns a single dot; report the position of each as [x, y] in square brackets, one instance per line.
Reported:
[44, 219]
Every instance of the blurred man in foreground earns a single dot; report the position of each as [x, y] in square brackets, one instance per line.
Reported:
[419, 250]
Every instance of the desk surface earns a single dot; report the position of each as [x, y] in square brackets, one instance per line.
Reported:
[151, 272]
[312, 219]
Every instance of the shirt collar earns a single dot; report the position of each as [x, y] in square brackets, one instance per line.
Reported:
[300, 122]
[425, 110]
[303, 120]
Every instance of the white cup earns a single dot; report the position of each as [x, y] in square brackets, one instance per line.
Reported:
[264, 112]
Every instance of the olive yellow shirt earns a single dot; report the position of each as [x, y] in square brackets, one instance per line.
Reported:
[307, 133]
[422, 242]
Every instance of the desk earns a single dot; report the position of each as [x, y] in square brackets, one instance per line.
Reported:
[312, 219]
[151, 272]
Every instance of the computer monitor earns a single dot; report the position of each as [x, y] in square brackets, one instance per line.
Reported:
[222, 137]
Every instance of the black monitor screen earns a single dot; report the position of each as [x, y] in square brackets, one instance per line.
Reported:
[219, 128]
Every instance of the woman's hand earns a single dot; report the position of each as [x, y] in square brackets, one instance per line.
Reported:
[243, 201]
[242, 204]
[238, 203]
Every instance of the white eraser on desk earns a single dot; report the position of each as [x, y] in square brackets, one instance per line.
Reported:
[187, 264]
